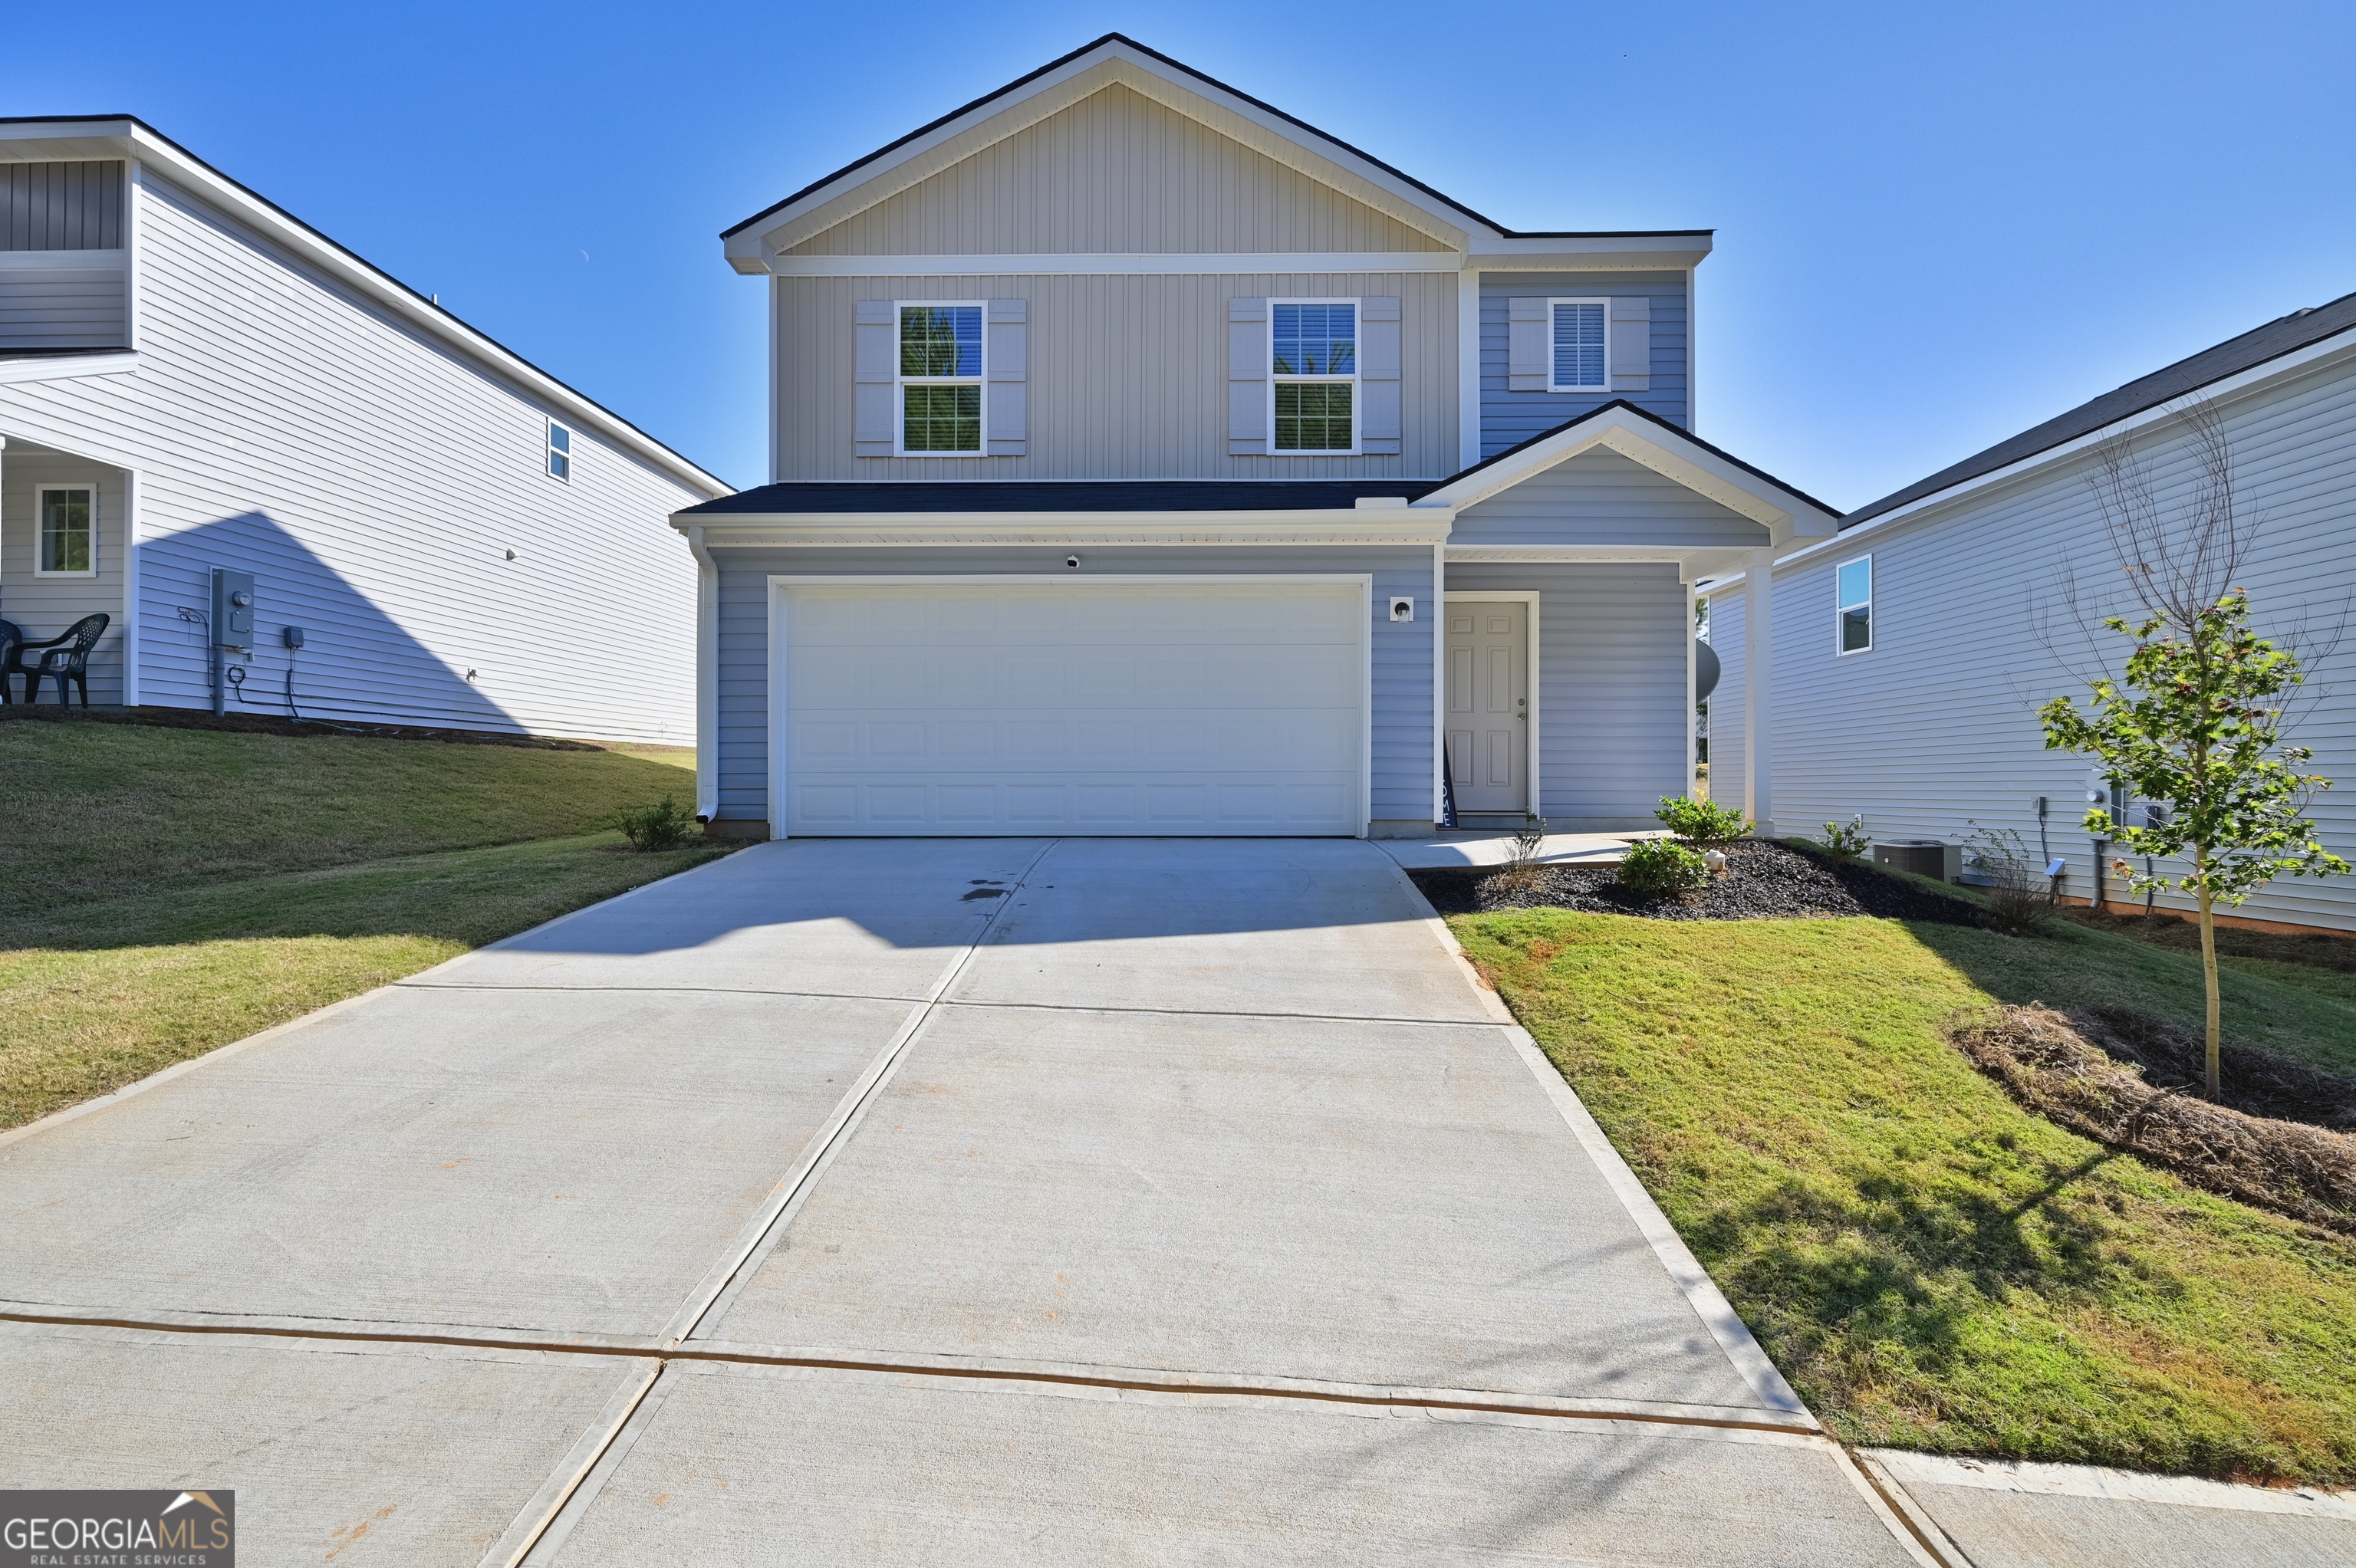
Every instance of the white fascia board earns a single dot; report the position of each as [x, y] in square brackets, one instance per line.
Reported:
[1697, 558]
[1782, 513]
[130, 140]
[1359, 525]
[66, 367]
[954, 141]
[2252, 382]
[1005, 264]
[1597, 253]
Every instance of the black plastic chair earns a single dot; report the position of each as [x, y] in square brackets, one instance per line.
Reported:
[12, 642]
[66, 656]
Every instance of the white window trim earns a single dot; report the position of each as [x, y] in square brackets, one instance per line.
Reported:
[42, 494]
[549, 451]
[900, 383]
[1605, 384]
[1841, 610]
[1357, 404]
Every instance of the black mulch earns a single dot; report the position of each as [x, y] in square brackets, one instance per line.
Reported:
[241, 723]
[1765, 880]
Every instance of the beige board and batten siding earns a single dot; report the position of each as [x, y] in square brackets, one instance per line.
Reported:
[373, 477]
[1128, 376]
[44, 606]
[1601, 497]
[1936, 728]
[1115, 173]
[63, 260]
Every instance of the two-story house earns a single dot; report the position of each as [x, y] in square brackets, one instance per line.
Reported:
[1145, 461]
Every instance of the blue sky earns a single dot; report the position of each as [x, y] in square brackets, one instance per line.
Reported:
[1937, 225]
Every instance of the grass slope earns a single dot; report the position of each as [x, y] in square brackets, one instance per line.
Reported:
[173, 891]
[1932, 1267]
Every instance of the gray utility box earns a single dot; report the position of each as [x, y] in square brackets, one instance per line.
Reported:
[1923, 856]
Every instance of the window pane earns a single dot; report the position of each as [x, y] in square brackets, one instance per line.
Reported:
[940, 340]
[1856, 630]
[1856, 583]
[1579, 346]
[560, 438]
[1317, 340]
[65, 531]
[942, 418]
[560, 464]
[1312, 416]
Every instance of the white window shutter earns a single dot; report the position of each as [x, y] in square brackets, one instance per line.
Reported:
[1006, 359]
[876, 355]
[1525, 345]
[1631, 344]
[1247, 378]
[1378, 374]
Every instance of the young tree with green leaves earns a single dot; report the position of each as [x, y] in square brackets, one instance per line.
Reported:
[2195, 725]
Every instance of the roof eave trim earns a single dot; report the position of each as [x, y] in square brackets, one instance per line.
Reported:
[1363, 525]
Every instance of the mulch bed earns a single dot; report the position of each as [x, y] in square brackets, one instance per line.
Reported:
[1765, 880]
[2284, 1138]
[239, 723]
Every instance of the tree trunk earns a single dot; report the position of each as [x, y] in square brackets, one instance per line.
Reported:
[2209, 977]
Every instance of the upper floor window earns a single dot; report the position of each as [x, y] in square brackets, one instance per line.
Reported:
[940, 379]
[1315, 380]
[1576, 360]
[559, 451]
[1855, 591]
[69, 545]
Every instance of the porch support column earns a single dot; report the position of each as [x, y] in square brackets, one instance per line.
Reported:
[1758, 690]
[1692, 672]
[1439, 679]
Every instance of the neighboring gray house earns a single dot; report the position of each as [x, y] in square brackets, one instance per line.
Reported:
[190, 379]
[1147, 461]
[1913, 651]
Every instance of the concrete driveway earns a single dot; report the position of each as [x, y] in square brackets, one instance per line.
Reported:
[1071, 1200]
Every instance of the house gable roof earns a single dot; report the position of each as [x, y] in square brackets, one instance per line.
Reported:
[2285, 334]
[1117, 58]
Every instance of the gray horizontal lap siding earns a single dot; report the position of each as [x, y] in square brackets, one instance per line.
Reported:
[1602, 497]
[1402, 652]
[51, 300]
[1936, 728]
[1611, 672]
[1508, 417]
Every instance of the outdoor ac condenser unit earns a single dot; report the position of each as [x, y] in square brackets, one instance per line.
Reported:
[1923, 857]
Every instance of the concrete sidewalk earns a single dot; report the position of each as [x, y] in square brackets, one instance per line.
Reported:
[1031, 1201]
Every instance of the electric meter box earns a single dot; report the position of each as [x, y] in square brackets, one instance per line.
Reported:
[232, 608]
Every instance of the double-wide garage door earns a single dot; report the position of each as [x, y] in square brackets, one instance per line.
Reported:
[1104, 705]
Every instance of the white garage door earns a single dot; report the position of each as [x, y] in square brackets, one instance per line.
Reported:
[1104, 706]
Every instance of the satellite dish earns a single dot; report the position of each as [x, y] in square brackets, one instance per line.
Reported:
[1704, 670]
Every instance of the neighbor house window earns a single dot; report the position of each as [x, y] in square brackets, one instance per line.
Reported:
[940, 379]
[69, 539]
[1316, 360]
[1575, 338]
[560, 450]
[1855, 591]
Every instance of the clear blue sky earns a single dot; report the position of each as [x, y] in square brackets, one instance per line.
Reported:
[1937, 225]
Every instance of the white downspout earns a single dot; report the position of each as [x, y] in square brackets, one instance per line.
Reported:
[707, 678]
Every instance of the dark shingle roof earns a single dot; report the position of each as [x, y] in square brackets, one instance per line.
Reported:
[1060, 495]
[2231, 358]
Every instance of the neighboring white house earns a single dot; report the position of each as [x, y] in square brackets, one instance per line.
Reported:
[192, 379]
[1911, 651]
[1146, 461]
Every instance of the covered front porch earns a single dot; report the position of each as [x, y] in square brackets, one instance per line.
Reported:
[65, 556]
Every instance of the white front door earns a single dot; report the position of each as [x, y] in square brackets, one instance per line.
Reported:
[1073, 706]
[1489, 704]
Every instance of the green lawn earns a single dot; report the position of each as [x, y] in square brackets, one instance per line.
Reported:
[171, 890]
[1932, 1267]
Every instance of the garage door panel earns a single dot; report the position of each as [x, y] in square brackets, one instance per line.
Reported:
[1071, 708]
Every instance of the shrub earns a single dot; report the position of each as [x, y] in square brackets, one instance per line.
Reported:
[2017, 894]
[1529, 841]
[1662, 868]
[1847, 840]
[658, 827]
[1701, 823]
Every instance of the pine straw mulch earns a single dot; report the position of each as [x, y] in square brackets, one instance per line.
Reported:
[2284, 1139]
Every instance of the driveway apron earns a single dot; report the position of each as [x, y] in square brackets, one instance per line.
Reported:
[869, 1200]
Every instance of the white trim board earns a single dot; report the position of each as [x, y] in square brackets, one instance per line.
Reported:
[989, 264]
[773, 665]
[1529, 597]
